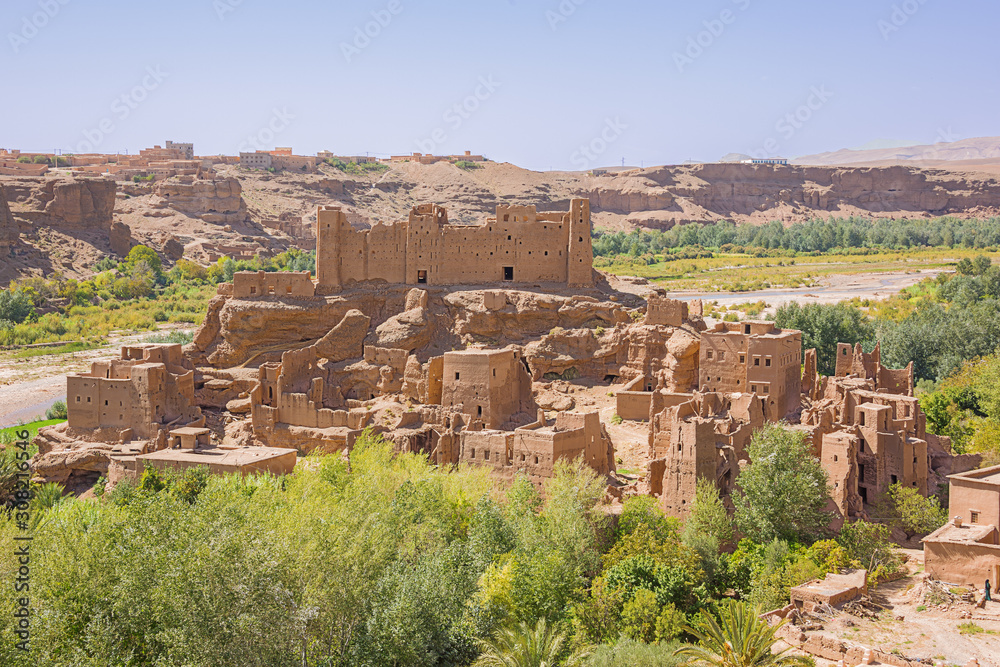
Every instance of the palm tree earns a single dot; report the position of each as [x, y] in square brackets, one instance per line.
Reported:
[525, 646]
[739, 639]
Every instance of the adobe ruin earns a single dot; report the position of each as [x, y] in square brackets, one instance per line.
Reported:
[519, 245]
[416, 331]
[149, 389]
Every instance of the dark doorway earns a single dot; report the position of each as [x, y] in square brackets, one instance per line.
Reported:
[863, 492]
[508, 273]
[422, 277]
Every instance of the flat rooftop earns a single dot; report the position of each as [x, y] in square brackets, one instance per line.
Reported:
[986, 475]
[219, 458]
[966, 533]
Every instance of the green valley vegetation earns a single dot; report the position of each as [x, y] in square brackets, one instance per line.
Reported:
[134, 294]
[379, 558]
[814, 236]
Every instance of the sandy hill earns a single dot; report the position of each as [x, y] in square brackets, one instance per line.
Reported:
[956, 154]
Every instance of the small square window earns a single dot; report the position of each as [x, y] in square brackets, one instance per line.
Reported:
[974, 517]
[756, 361]
[457, 375]
[709, 354]
[722, 355]
[767, 362]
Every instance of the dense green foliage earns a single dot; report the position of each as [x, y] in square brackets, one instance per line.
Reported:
[783, 492]
[134, 294]
[379, 558]
[966, 407]
[58, 411]
[804, 237]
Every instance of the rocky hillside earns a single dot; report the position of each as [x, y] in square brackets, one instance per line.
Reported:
[65, 224]
[657, 197]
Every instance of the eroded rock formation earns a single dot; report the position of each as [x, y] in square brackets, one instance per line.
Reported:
[212, 200]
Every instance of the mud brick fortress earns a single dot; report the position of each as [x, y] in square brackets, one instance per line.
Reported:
[518, 245]
[496, 345]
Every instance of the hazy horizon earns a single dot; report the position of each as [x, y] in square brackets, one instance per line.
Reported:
[565, 85]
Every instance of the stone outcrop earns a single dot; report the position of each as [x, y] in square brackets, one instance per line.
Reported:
[217, 201]
[120, 237]
[173, 249]
[510, 315]
[409, 330]
[68, 204]
[437, 320]
[346, 340]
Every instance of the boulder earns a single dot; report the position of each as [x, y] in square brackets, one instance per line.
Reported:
[120, 237]
[346, 340]
[173, 249]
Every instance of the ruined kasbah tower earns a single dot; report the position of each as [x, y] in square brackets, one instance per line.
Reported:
[519, 245]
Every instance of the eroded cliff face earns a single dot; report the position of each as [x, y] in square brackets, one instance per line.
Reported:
[212, 200]
[65, 203]
[664, 196]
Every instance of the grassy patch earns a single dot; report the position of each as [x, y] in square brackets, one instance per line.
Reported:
[9, 435]
[78, 346]
[970, 628]
[729, 272]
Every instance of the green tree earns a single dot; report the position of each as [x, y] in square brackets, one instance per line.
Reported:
[783, 492]
[527, 646]
[708, 515]
[738, 639]
[868, 546]
[141, 253]
[57, 411]
[916, 514]
[15, 306]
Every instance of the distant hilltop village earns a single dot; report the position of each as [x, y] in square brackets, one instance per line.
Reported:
[178, 159]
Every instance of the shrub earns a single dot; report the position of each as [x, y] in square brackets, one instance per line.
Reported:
[15, 306]
[57, 411]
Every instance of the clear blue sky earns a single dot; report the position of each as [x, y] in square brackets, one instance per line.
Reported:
[620, 77]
